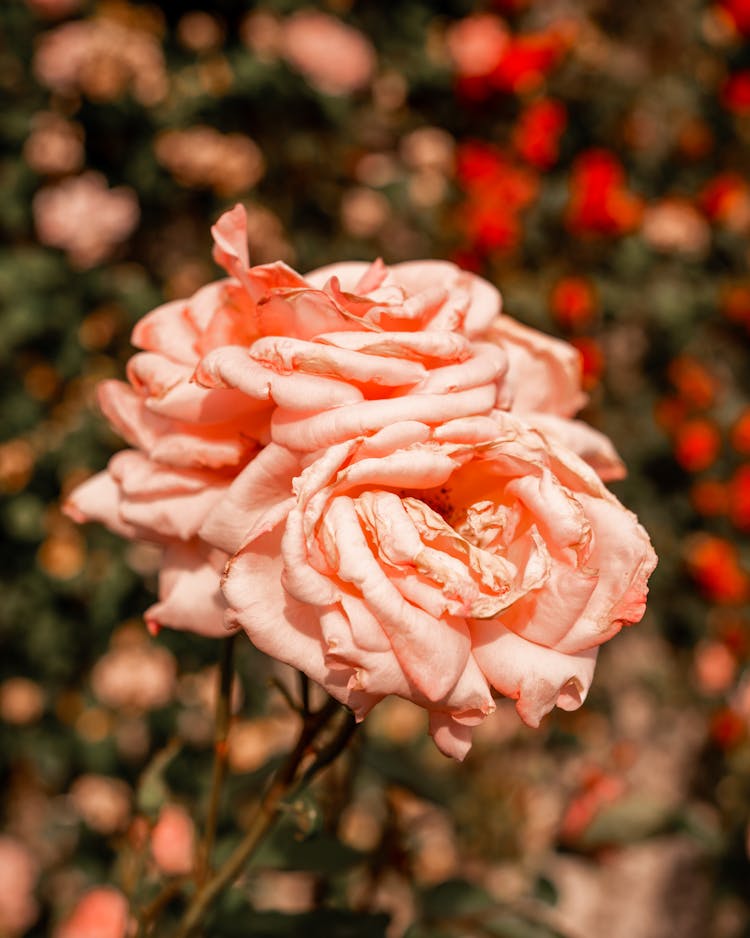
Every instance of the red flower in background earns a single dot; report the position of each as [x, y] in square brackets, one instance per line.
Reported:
[735, 94]
[573, 302]
[537, 134]
[497, 192]
[600, 203]
[739, 497]
[738, 13]
[697, 444]
[487, 57]
[528, 60]
[735, 303]
[713, 563]
[726, 200]
[592, 360]
[740, 434]
[694, 382]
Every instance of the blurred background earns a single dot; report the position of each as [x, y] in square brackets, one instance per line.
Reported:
[591, 158]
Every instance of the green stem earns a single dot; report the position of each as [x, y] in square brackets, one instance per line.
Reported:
[221, 733]
[265, 817]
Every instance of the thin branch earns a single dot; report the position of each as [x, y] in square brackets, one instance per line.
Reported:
[221, 733]
[267, 813]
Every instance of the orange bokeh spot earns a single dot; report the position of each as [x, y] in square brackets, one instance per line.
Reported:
[739, 498]
[740, 433]
[697, 444]
[709, 498]
[573, 302]
[713, 563]
[592, 360]
[693, 381]
[735, 303]
[669, 412]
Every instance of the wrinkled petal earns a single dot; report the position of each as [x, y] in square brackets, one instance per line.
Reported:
[544, 374]
[537, 678]
[190, 597]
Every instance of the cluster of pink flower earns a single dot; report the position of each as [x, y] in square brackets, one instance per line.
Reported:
[377, 476]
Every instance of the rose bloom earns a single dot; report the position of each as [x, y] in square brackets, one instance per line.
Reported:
[334, 58]
[477, 43]
[437, 563]
[203, 157]
[18, 874]
[100, 913]
[676, 226]
[102, 802]
[101, 58]
[600, 203]
[135, 676]
[84, 217]
[172, 841]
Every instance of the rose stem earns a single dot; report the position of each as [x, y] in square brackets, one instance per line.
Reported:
[221, 732]
[265, 817]
[304, 691]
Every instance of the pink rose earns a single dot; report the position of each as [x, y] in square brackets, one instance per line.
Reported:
[101, 913]
[173, 841]
[437, 563]
[84, 217]
[335, 58]
[18, 874]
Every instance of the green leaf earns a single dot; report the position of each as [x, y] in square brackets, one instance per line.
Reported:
[627, 821]
[291, 847]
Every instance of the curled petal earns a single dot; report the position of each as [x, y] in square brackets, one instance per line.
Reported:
[232, 367]
[544, 374]
[537, 678]
[189, 595]
[300, 430]
[99, 499]
[592, 446]
[286, 355]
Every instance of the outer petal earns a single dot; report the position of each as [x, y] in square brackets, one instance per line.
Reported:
[544, 374]
[189, 595]
[452, 738]
[536, 678]
[592, 446]
[99, 499]
[167, 503]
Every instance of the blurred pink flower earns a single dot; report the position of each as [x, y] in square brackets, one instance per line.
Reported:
[102, 802]
[477, 43]
[101, 58]
[18, 874]
[54, 146]
[100, 913]
[137, 675]
[335, 58]
[674, 225]
[201, 156]
[84, 217]
[173, 841]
